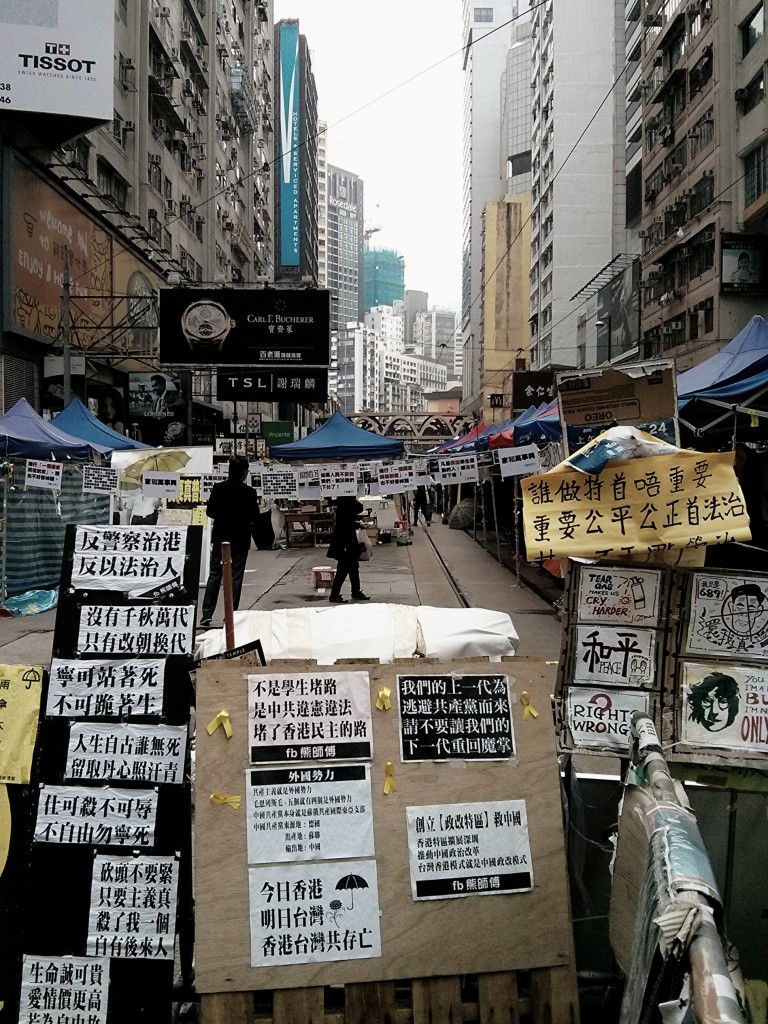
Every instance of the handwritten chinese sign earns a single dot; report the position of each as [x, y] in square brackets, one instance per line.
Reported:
[728, 616]
[477, 849]
[612, 656]
[644, 506]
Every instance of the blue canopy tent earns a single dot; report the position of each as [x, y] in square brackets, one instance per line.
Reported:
[78, 420]
[742, 357]
[25, 435]
[339, 438]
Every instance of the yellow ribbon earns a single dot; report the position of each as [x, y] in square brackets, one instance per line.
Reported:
[223, 798]
[221, 719]
[383, 702]
[529, 708]
[389, 779]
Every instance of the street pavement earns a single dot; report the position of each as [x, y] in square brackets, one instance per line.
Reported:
[409, 574]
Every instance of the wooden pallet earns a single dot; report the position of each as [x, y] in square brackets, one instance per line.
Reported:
[546, 995]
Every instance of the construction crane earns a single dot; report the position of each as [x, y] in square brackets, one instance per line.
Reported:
[367, 234]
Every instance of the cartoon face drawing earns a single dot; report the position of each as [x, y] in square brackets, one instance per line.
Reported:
[713, 702]
[745, 610]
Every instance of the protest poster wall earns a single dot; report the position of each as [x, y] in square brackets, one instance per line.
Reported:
[724, 706]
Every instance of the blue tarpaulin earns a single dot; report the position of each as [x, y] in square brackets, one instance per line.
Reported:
[339, 438]
[76, 419]
[744, 356]
[25, 435]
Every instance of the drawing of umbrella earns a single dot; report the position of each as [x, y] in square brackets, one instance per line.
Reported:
[170, 461]
[352, 882]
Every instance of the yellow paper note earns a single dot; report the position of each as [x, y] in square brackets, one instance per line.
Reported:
[20, 691]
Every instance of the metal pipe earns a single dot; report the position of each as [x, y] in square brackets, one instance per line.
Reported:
[226, 580]
[65, 350]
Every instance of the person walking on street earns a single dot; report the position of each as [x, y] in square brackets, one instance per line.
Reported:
[234, 508]
[345, 548]
[421, 504]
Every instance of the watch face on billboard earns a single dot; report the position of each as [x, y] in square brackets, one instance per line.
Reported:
[253, 327]
[743, 266]
[56, 57]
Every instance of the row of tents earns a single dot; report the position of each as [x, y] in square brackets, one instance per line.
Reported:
[75, 433]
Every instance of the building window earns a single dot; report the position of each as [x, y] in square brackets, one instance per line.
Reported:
[122, 11]
[755, 174]
[520, 163]
[755, 94]
[752, 30]
[483, 14]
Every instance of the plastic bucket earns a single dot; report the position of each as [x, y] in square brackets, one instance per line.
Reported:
[323, 576]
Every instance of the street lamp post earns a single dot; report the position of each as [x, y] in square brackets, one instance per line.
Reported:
[606, 322]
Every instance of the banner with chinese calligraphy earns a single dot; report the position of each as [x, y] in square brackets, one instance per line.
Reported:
[43, 474]
[477, 849]
[613, 656]
[623, 595]
[518, 461]
[82, 688]
[600, 718]
[96, 816]
[159, 629]
[455, 717]
[65, 989]
[728, 615]
[136, 560]
[133, 908]
[124, 752]
[642, 507]
[314, 913]
[725, 706]
[99, 479]
[309, 716]
[21, 688]
[303, 814]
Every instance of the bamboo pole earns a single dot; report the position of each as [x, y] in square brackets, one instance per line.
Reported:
[226, 580]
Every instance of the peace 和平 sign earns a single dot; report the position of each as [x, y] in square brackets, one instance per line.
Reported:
[667, 502]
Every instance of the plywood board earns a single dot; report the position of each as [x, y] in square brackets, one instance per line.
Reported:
[475, 934]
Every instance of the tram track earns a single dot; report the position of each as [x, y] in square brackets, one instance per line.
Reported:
[453, 583]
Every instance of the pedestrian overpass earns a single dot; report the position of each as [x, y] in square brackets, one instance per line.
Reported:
[417, 430]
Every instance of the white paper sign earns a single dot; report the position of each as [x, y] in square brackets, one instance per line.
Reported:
[459, 469]
[160, 485]
[133, 907]
[473, 849]
[43, 474]
[338, 481]
[207, 481]
[278, 483]
[308, 483]
[105, 689]
[309, 716]
[132, 559]
[97, 816]
[729, 615]
[64, 989]
[725, 705]
[518, 461]
[160, 629]
[396, 478]
[125, 752]
[314, 913]
[620, 595]
[602, 718]
[296, 814]
[612, 656]
[99, 479]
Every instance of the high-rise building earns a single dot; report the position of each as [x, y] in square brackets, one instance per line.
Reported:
[296, 129]
[387, 324]
[176, 187]
[486, 43]
[578, 167]
[434, 335]
[322, 204]
[415, 302]
[345, 246]
[383, 277]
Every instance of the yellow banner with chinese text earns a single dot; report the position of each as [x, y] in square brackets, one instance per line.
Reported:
[638, 508]
[21, 687]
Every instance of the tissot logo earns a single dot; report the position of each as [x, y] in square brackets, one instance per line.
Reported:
[58, 48]
[57, 58]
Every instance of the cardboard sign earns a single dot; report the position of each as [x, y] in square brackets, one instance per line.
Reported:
[635, 394]
[728, 615]
[613, 656]
[725, 705]
[601, 718]
[618, 595]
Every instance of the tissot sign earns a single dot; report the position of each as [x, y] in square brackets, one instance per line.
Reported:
[254, 327]
[56, 57]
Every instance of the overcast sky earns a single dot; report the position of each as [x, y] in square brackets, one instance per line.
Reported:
[395, 120]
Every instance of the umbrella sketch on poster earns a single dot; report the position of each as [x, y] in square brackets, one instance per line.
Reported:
[729, 615]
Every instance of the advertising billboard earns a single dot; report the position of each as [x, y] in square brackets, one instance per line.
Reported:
[56, 57]
[618, 314]
[284, 384]
[289, 145]
[253, 327]
[157, 408]
[743, 265]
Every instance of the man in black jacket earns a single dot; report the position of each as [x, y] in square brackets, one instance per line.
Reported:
[234, 508]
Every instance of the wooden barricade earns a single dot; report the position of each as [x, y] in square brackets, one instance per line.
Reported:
[486, 959]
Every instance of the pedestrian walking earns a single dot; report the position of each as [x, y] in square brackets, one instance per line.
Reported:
[421, 504]
[345, 549]
[234, 508]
